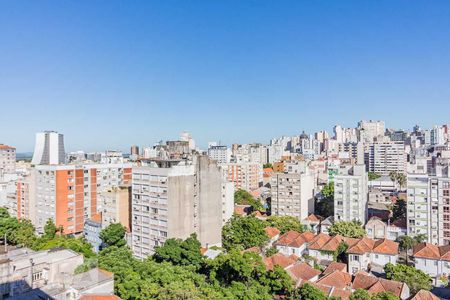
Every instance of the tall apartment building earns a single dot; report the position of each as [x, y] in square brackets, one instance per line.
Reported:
[227, 201]
[292, 194]
[354, 150]
[351, 194]
[247, 176]
[173, 199]
[428, 206]
[69, 194]
[49, 149]
[219, 153]
[116, 206]
[7, 160]
[369, 130]
[385, 157]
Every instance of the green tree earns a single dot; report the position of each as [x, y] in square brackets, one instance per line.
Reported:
[310, 292]
[50, 229]
[242, 197]
[414, 278]
[420, 238]
[360, 294]
[393, 176]
[179, 252]
[351, 229]
[328, 191]
[385, 296]
[4, 213]
[399, 210]
[373, 176]
[244, 232]
[285, 223]
[406, 243]
[268, 165]
[401, 180]
[113, 235]
[271, 251]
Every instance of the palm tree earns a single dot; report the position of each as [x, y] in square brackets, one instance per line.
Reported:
[393, 175]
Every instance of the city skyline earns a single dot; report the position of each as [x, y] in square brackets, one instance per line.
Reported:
[234, 71]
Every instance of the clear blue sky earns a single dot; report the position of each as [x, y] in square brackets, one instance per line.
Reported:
[109, 74]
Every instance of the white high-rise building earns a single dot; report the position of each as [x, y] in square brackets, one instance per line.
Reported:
[385, 157]
[221, 154]
[49, 149]
[369, 130]
[351, 194]
[7, 160]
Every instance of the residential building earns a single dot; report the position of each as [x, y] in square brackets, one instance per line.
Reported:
[293, 242]
[355, 151]
[49, 149]
[370, 130]
[383, 158]
[292, 194]
[173, 199]
[433, 260]
[7, 160]
[351, 194]
[377, 229]
[69, 194]
[92, 229]
[227, 201]
[374, 285]
[247, 176]
[219, 153]
[116, 206]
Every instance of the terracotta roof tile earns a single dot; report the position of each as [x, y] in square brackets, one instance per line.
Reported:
[424, 295]
[337, 279]
[272, 231]
[302, 271]
[335, 266]
[278, 259]
[425, 250]
[375, 285]
[385, 246]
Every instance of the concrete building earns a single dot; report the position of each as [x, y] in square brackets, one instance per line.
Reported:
[428, 206]
[69, 194]
[227, 201]
[7, 160]
[292, 195]
[91, 232]
[49, 149]
[434, 261]
[351, 194]
[385, 157]
[219, 153]
[116, 206]
[173, 199]
[354, 150]
[247, 176]
[370, 130]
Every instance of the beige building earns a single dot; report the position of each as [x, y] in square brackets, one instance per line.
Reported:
[116, 206]
[7, 160]
[173, 199]
[247, 176]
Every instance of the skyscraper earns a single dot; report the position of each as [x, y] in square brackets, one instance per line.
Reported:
[49, 148]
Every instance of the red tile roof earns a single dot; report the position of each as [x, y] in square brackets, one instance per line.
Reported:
[312, 218]
[301, 271]
[425, 250]
[272, 231]
[335, 266]
[424, 295]
[295, 239]
[6, 147]
[375, 285]
[337, 279]
[278, 259]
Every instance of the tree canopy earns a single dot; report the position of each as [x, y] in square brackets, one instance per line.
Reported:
[285, 223]
[351, 229]
[179, 252]
[242, 197]
[373, 176]
[244, 232]
[113, 235]
[414, 278]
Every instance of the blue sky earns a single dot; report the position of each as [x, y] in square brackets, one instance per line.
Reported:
[109, 74]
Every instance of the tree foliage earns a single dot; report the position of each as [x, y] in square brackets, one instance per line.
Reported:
[328, 191]
[242, 197]
[399, 210]
[244, 232]
[310, 292]
[285, 223]
[50, 229]
[373, 176]
[179, 252]
[414, 278]
[113, 235]
[351, 229]
[360, 294]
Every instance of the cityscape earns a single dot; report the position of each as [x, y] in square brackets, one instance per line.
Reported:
[216, 150]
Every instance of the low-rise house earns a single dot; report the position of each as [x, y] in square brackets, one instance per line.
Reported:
[335, 266]
[367, 254]
[293, 242]
[279, 259]
[336, 284]
[433, 260]
[326, 224]
[377, 229]
[273, 234]
[425, 295]
[374, 285]
[312, 222]
[323, 247]
[301, 272]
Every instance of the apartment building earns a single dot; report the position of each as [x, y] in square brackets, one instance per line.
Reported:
[385, 157]
[351, 194]
[247, 176]
[69, 193]
[428, 206]
[292, 194]
[227, 201]
[219, 153]
[173, 199]
[7, 160]
[116, 206]
[355, 151]
[369, 130]
[49, 148]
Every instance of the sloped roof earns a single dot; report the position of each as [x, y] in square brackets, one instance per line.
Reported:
[385, 246]
[272, 231]
[337, 279]
[426, 250]
[375, 285]
[294, 238]
[425, 295]
[302, 271]
[278, 259]
[335, 266]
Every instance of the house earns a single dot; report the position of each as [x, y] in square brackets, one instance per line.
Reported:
[273, 234]
[293, 242]
[335, 266]
[424, 295]
[279, 259]
[326, 224]
[378, 229]
[335, 284]
[301, 272]
[323, 247]
[366, 254]
[433, 260]
[312, 222]
[374, 285]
